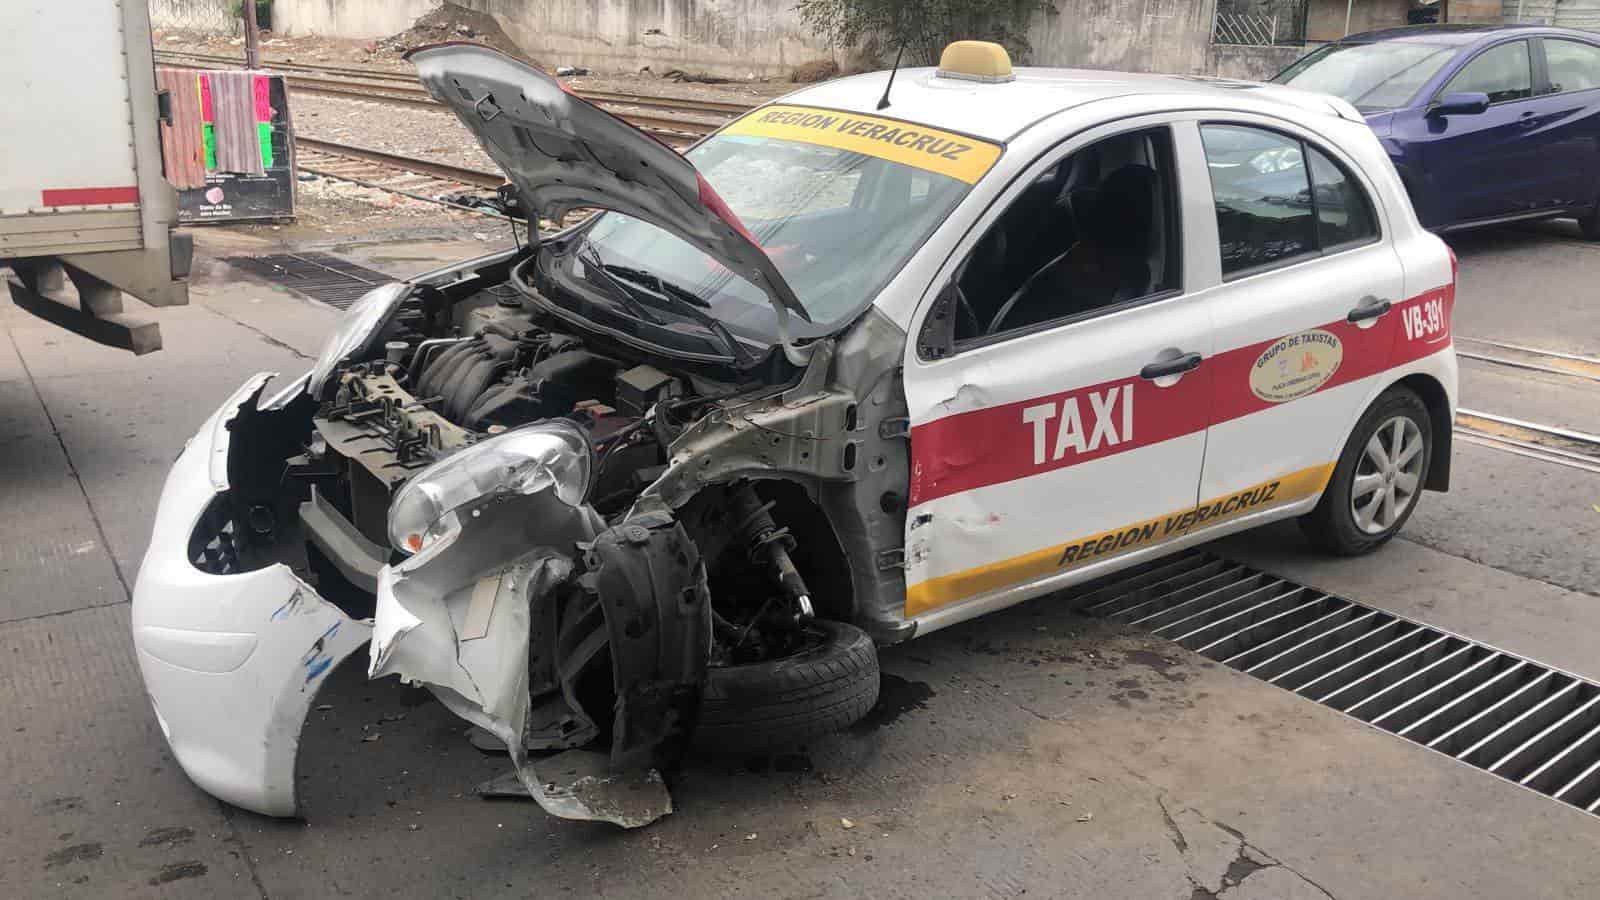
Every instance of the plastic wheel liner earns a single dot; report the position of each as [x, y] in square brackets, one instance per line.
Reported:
[467, 615]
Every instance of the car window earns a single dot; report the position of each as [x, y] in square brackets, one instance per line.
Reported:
[837, 224]
[1262, 195]
[1573, 65]
[1267, 211]
[1502, 72]
[1343, 214]
[1380, 75]
[1096, 230]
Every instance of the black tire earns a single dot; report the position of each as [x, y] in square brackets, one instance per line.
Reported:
[1589, 224]
[1332, 525]
[778, 704]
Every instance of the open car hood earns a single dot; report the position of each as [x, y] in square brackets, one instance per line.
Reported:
[563, 152]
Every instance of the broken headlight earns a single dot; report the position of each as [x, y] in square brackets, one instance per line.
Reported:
[359, 325]
[553, 454]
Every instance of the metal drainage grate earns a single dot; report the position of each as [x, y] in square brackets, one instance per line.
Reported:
[1514, 718]
[319, 276]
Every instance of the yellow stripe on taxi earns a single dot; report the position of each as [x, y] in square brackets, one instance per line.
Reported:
[934, 593]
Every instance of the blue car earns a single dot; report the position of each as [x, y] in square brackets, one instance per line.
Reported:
[1485, 123]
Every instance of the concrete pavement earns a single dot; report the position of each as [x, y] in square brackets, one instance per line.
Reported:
[1031, 753]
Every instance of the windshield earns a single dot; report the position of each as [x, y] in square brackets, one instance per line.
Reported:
[1372, 77]
[837, 222]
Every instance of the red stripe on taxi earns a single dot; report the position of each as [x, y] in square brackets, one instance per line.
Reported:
[996, 444]
[1003, 443]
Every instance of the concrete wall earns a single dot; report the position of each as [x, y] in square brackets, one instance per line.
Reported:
[362, 19]
[1252, 63]
[765, 38]
[727, 37]
[735, 38]
[1325, 18]
[1475, 12]
[1149, 36]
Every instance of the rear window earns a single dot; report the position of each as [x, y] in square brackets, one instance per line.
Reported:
[1574, 66]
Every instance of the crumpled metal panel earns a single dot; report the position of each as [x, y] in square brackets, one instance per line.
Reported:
[458, 618]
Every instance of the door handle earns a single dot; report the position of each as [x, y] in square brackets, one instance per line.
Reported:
[1178, 365]
[1368, 308]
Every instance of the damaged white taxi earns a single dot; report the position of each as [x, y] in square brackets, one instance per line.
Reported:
[876, 358]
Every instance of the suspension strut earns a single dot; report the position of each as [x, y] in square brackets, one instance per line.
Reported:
[767, 542]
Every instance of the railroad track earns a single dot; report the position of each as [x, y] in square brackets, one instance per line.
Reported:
[661, 116]
[1533, 359]
[434, 171]
[1546, 443]
[418, 179]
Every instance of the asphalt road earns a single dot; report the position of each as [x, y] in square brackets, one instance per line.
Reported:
[1031, 753]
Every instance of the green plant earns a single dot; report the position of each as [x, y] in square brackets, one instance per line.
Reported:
[922, 27]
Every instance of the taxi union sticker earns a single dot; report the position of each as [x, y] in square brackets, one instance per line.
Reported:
[1296, 365]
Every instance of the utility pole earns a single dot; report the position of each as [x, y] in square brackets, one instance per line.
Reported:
[252, 36]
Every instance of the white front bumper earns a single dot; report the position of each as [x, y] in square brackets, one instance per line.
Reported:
[232, 663]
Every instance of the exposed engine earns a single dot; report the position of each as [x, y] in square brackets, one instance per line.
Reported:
[429, 396]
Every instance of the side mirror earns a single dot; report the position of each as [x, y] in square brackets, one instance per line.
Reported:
[1461, 103]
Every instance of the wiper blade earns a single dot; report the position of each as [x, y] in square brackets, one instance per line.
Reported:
[588, 254]
[691, 304]
[661, 286]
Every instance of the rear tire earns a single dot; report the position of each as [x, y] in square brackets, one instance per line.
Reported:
[778, 704]
[1590, 224]
[1388, 453]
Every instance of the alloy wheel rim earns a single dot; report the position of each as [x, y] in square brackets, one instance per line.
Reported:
[1388, 475]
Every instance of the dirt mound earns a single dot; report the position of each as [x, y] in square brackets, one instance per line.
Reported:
[815, 70]
[449, 22]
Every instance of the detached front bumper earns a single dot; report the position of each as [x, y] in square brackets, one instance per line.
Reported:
[232, 663]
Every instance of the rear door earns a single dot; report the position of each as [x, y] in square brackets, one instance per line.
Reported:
[1570, 116]
[1488, 164]
[1058, 389]
[1305, 279]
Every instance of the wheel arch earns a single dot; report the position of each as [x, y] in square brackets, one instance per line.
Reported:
[1441, 423]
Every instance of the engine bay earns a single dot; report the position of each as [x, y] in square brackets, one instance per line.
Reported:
[471, 356]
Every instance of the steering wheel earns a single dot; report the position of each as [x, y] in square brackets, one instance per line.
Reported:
[966, 309]
[1011, 302]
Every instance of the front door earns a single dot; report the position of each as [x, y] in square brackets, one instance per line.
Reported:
[1058, 389]
[1305, 281]
[1486, 164]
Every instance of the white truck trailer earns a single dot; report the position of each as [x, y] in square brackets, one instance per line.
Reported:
[85, 212]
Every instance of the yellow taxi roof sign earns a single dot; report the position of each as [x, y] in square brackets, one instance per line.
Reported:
[976, 61]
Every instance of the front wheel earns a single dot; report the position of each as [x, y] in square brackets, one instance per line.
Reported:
[1378, 479]
[828, 683]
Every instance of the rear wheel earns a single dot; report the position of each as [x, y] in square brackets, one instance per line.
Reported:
[827, 683]
[1590, 224]
[1378, 479]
